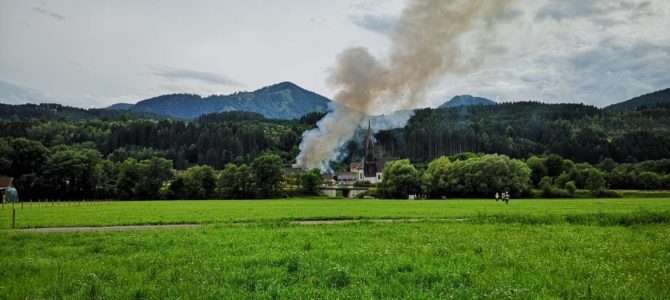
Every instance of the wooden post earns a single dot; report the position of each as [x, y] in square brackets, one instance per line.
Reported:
[13, 216]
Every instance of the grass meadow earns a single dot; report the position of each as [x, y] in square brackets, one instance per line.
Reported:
[460, 249]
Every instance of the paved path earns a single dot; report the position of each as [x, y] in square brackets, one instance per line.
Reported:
[107, 228]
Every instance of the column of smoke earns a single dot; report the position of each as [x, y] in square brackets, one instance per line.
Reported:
[424, 47]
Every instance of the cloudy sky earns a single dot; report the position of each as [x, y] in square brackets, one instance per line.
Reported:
[93, 53]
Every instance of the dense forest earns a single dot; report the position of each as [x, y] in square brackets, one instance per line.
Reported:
[578, 132]
[215, 139]
[56, 152]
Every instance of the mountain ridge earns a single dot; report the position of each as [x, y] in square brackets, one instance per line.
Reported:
[284, 100]
[466, 100]
[649, 100]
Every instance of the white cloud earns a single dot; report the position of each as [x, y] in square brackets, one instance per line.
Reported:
[599, 51]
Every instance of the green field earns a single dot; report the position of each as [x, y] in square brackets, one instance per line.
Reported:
[273, 211]
[549, 249]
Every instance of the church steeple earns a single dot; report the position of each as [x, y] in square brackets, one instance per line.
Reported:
[369, 142]
[369, 160]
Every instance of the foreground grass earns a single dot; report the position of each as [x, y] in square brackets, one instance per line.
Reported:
[273, 211]
[423, 260]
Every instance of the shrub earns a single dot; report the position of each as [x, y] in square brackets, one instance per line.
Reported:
[571, 187]
[666, 182]
[650, 181]
[310, 182]
[595, 180]
[559, 193]
[604, 193]
[546, 186]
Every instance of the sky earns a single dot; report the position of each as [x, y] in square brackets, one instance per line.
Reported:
[94, 53]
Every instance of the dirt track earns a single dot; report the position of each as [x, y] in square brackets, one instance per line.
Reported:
[193, 226]
[107, 228]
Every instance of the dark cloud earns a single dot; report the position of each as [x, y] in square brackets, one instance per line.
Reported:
[49, 13]
[571, 9]
[205, 77]
[383, 24]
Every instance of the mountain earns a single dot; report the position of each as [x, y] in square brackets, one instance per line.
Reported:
[120, 106]
[11, 93]
[51, 111]
[280, 101]
[645, 101]
[467, 100]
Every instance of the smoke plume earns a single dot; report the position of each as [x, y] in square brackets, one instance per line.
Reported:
[424, 47]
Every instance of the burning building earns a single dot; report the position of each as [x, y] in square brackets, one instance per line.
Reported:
[370, 168]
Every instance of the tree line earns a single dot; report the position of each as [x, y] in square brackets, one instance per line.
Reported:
[76, 172]
[483, 175]
[80, 172]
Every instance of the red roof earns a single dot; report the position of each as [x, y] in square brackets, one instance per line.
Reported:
[5, 182]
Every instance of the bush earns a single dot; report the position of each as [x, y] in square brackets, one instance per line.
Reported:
[310, 182]
[546, 186]
[595, 180]
[571, 187]
[666, 182]
[604, 193]
[560, 193]
[650, 181]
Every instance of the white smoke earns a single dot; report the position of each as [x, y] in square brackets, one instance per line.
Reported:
[425, 46]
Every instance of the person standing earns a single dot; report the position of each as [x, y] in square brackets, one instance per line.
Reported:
[12, 195]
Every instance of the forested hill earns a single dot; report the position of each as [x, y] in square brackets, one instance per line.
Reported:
[48, 111]
[466, 100]
[643, 102]
[582, 133]
[281, 101]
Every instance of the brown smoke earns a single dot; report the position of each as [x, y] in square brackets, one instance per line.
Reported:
[425, 46]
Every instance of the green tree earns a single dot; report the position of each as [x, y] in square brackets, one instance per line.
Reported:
[571, 187]
[400, 179]
[554, 164]
[435, 181]
[538, 169]
[199, 182]
[267, 169]
[487, 175]
[595, 180]
[26, 156]
[236, 182]
[129, 175]
[546, 185]
[650, 181]
[154, 173]
[310, 182]
[72, 172]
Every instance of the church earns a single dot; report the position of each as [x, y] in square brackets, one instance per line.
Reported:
[370, 168]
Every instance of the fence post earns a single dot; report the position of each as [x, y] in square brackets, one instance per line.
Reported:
[13, 216]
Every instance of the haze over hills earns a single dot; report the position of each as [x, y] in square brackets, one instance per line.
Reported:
[466, 100]
[650, 100]
[280, 101]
